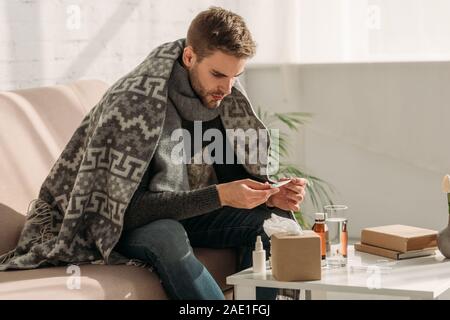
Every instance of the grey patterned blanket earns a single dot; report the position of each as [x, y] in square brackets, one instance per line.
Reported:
[78, 215]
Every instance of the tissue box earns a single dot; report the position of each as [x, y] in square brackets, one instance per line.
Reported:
[296, 257]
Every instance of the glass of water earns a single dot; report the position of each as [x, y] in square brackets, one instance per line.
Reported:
[337, 242]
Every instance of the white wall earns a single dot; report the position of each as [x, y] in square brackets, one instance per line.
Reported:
[380, 134]
[305, 31]
[45, 42]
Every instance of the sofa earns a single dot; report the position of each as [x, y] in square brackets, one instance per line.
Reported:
[35, 126]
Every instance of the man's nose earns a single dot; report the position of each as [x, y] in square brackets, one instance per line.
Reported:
[227, 85]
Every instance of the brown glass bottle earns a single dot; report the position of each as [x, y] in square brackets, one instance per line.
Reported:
[319, 228]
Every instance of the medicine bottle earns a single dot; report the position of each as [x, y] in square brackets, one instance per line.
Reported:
[319, 228]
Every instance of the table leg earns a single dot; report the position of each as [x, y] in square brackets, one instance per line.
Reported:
[242, 292]
[315, 295]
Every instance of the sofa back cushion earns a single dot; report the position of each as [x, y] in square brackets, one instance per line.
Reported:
[35, 126]
[11, 224]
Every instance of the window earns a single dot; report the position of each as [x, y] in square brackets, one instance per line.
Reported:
[310, 31]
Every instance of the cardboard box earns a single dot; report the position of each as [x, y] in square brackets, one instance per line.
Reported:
[399, 237]
[392, 254]
[296, 258]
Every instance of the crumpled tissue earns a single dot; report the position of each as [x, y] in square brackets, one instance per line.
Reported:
[277, 224]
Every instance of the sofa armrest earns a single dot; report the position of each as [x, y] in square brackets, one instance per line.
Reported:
[11, 224]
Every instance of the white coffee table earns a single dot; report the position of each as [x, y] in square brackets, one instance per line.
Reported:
[418, 278]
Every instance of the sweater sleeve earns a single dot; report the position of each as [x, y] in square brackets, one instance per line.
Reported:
[147, 206]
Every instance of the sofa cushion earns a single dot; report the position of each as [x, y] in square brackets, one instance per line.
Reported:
[96, 282]
[104, 282]
[35, 125]
[11, 223]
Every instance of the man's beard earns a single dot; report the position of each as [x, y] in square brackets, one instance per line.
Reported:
[202, 93]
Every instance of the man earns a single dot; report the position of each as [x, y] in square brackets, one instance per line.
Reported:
[170, 212]
[119, 190]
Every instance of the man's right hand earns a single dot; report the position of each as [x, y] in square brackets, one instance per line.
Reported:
[245, 193]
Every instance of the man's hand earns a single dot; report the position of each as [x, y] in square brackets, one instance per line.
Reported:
[246, 193]
[290, 195]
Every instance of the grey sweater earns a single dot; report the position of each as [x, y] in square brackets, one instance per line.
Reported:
[180, 191]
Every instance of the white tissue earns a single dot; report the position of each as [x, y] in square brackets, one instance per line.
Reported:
[277, 224]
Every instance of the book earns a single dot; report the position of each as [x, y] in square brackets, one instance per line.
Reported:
[399, 237]
[396, 255]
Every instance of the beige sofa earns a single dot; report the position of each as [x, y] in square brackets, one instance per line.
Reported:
[35, 125]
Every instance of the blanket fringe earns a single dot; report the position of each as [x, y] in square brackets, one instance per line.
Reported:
[140, 264]
[41, 214]
[4, 258]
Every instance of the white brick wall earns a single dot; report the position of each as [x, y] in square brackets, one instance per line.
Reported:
[45, 42]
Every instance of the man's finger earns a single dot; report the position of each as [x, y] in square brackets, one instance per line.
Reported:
[256, 185]
[294, 206]
[261, 194]
[294, 196]
[294, 188]
[300, 181]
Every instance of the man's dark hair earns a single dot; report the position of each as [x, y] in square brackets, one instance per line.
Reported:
[220, 29]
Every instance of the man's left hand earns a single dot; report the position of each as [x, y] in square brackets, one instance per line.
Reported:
[290, 195]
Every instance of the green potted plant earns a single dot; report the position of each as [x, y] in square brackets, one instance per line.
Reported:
[318, 190]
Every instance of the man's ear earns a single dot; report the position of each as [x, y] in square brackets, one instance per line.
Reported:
[189, 57]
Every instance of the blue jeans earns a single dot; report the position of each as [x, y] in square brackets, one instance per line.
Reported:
[167, 245]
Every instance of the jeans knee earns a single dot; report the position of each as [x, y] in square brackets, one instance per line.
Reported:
[164, 239]
[166, 227]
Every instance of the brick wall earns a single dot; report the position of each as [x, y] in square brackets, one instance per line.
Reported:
[44, 42]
